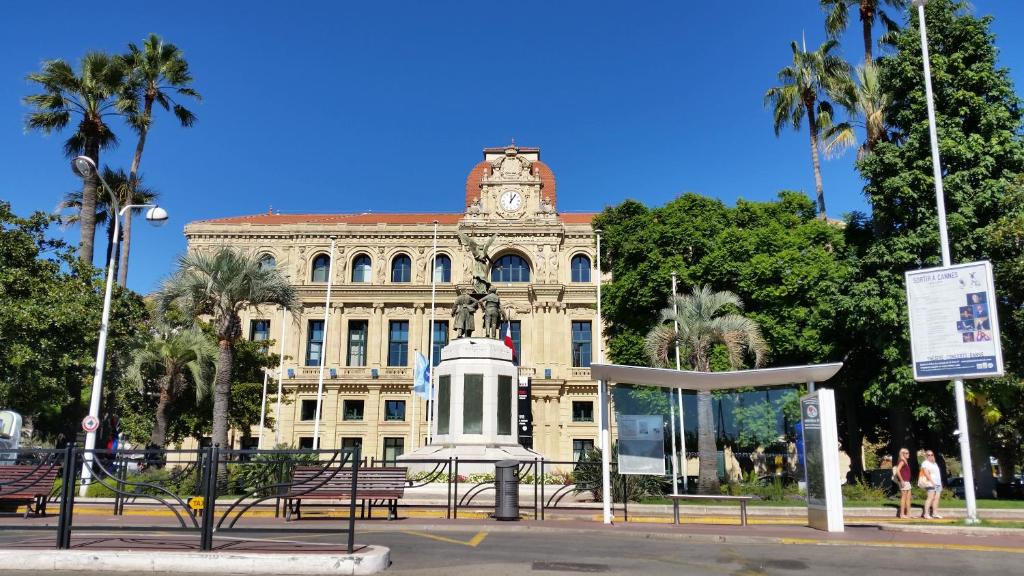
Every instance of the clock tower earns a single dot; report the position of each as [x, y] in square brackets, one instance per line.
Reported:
[511, 183]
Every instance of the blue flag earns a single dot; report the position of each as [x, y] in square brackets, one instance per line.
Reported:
[421, 376]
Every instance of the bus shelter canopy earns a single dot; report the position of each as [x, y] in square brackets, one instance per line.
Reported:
[708, 381]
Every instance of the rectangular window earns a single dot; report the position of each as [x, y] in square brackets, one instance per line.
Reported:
[259, 330]
[581, 447]
[440, 339]
[581, 343]
[306, 443]
[393, 448]
[582, 411]
[398, 343]
[307, 410]
[444, 398]
[357, 330]
[504, 405]
[352, 409]
[353, 442]
[517, 340]
[314, 342]
[473, 404]
[394, 410]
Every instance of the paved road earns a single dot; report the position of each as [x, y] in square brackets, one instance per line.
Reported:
[495, 552]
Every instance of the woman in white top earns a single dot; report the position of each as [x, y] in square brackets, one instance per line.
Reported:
[931, 481]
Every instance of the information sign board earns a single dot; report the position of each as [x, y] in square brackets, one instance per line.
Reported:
[525, 405]
[641, 444]
[954, 328]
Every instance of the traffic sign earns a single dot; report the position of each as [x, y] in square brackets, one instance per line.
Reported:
[90, 423]
[196, 503]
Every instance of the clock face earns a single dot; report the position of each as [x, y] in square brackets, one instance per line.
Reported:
[511, 201]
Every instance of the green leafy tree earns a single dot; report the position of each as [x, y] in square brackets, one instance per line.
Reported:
[159, 73]
[804, 84]
[51, 303]
[838, 18]
[92, 96]
[220, 285]
[170, 355]
[979, 121]
[704, 321]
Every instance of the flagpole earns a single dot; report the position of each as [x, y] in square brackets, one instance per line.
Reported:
[682, 421]
[600, 348]
[323, 348]
[412, 398]
[430, 353]
[263, 409]
[280, 379]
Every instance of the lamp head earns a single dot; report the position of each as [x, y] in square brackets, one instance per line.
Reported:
[83, 166]
[156, 216]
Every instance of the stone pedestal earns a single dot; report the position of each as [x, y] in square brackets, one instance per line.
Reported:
[476, 408]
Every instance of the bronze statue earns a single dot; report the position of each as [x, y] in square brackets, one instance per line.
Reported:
[464, 312]
[482, 262]
[491, 304]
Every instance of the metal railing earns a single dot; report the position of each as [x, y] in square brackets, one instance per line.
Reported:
[206, 491]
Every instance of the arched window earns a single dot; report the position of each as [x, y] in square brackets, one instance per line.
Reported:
[361, 268]
[320, 266]
[401, 269]
[442, 268]
[510, 268]
[267, 262]
[580, 266]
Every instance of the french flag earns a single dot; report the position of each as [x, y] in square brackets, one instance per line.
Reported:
[508, 340]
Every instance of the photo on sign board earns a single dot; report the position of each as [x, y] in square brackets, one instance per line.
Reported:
[968, 336]
[965, 326]
[977, 298]
[983, 336]
[965, 313]
[982, 323]
[980, 310]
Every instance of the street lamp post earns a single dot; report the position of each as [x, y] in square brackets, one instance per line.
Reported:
[83, 166]
[958, 384]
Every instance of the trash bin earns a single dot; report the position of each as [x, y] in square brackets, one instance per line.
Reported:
[506, 490]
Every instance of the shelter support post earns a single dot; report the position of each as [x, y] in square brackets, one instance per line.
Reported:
[606, 460]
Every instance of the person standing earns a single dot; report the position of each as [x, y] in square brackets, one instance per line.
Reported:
[931, 480]
[901, 475]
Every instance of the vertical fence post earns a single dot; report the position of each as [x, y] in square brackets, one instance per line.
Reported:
[542, 490]
[538, 476]
[625, 498]
[352, 500]
[448, 510]
[455, 497]
[209, 498]
[67, 498]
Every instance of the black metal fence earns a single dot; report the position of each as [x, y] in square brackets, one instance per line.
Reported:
[201, 492]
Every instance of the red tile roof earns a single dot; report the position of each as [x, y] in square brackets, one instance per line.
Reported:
[447, 218]
[369, 218]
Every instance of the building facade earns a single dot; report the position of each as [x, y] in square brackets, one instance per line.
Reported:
[543, 268]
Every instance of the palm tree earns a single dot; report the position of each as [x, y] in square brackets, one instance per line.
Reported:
[869, 104]
[158, 70]
[173, 353]
[703, 325]
[118, 182]
[837, 18]
[92, 96]
[219, 285]
[811, 76]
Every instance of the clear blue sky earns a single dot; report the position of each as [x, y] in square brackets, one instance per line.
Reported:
[385, 106]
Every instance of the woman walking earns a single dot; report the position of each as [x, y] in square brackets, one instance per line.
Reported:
[901, 476]
[931, 480]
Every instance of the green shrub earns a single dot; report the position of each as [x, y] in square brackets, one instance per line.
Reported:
[863, 491]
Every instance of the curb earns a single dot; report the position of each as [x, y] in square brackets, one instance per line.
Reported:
[946, 530]
[370, 560]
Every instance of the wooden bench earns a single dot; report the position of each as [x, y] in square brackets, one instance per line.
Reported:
[28, 483]
[372, 484]
[741, 499]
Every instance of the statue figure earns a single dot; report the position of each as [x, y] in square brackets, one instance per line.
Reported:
[491, 304]
[464, 311]
[483, 262]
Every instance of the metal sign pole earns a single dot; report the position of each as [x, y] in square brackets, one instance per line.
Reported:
[323, 348]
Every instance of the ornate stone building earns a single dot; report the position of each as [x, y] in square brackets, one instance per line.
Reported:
[543, 268]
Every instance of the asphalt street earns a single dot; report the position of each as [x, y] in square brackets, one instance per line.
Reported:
[494, 553]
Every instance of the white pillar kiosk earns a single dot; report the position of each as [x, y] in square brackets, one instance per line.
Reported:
[821, 461]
